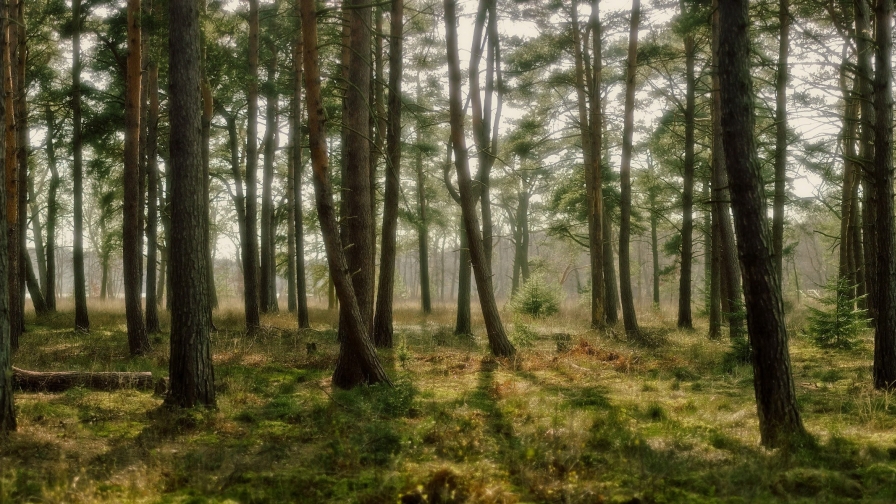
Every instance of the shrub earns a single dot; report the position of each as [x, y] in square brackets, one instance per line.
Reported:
[837, 323]
[536, 299]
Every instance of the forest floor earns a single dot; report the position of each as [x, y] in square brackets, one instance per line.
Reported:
[597, 419]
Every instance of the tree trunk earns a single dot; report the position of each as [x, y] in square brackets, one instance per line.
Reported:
[611, 293]
[190, 367]
[781, 136]
[297, 170]
[7, 407]
[685, 319]
[152, 217]
[22, 151]
[268, 290]
[208, 110]
[52, 209]
[37, 235]
[12, 180]
[356, 352]
[866, 152]
[885, 222]
[82, 322]
[779, 418]
[356, 184]
[31, 281]
[382, 324]
[715, 281]
[625, 178]
[250, 245]
[132, 245]
[498, 341]
[731, 299]
[423, 230]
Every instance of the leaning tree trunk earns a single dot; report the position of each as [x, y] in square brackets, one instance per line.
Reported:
[132, 245]
[629, 317]
[192, 378]
[382, 322]
[885, 223]
[357, 343]
[498, 341]
[779, 418]
[82, 322]
[37, 236]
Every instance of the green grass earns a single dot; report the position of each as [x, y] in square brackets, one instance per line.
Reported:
[604, 421]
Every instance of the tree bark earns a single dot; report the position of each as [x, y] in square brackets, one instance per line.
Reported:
[152, 217]
[250, 246]
[731, 295]
[885, 222]
[190, 367]
[864, 50]
[82, 321]
[33, 284]
[611, 293]
[629, 317]
[364, 365]
[132, 245]
[296, 172]
[781, 136]
[52, 209]
[268, 291]
[12, 179]
[779, 418]
[685, 319]
[37, 236]
[7, 406]
[357, 202]
[500, 345]
[382, 323]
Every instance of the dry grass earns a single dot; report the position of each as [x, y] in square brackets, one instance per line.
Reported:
[594, 419]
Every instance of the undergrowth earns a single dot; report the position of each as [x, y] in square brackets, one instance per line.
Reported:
[578, 416]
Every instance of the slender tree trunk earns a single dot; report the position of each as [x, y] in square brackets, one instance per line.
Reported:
[297, 169]
[52, 209]
[152, 217]
[864, 49]
[208, 110]
[625, 203]
[268, 290]
[611, 293]
[422, 230]
[192, 378]
[82, 322]
[365, 366]
[37, 235]
[781, 136]
[715, 281]
[779, 418]
[12, 178]
[654, 242]
[685, 319]
[382, 325]
[250, 245]
[885, 223]
[22, 149]
[848, 206]
[7, 407]
[731, 300]
[33, 285]
[498, 341]
[132, 246]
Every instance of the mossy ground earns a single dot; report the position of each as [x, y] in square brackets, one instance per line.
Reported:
[602, 420]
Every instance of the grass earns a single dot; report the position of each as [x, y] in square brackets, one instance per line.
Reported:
[596, 419]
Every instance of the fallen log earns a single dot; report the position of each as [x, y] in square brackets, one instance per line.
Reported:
[59, 381]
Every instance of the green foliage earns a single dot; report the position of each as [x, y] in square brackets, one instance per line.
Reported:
[536, 298]
[838, 321]
[523, 336]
